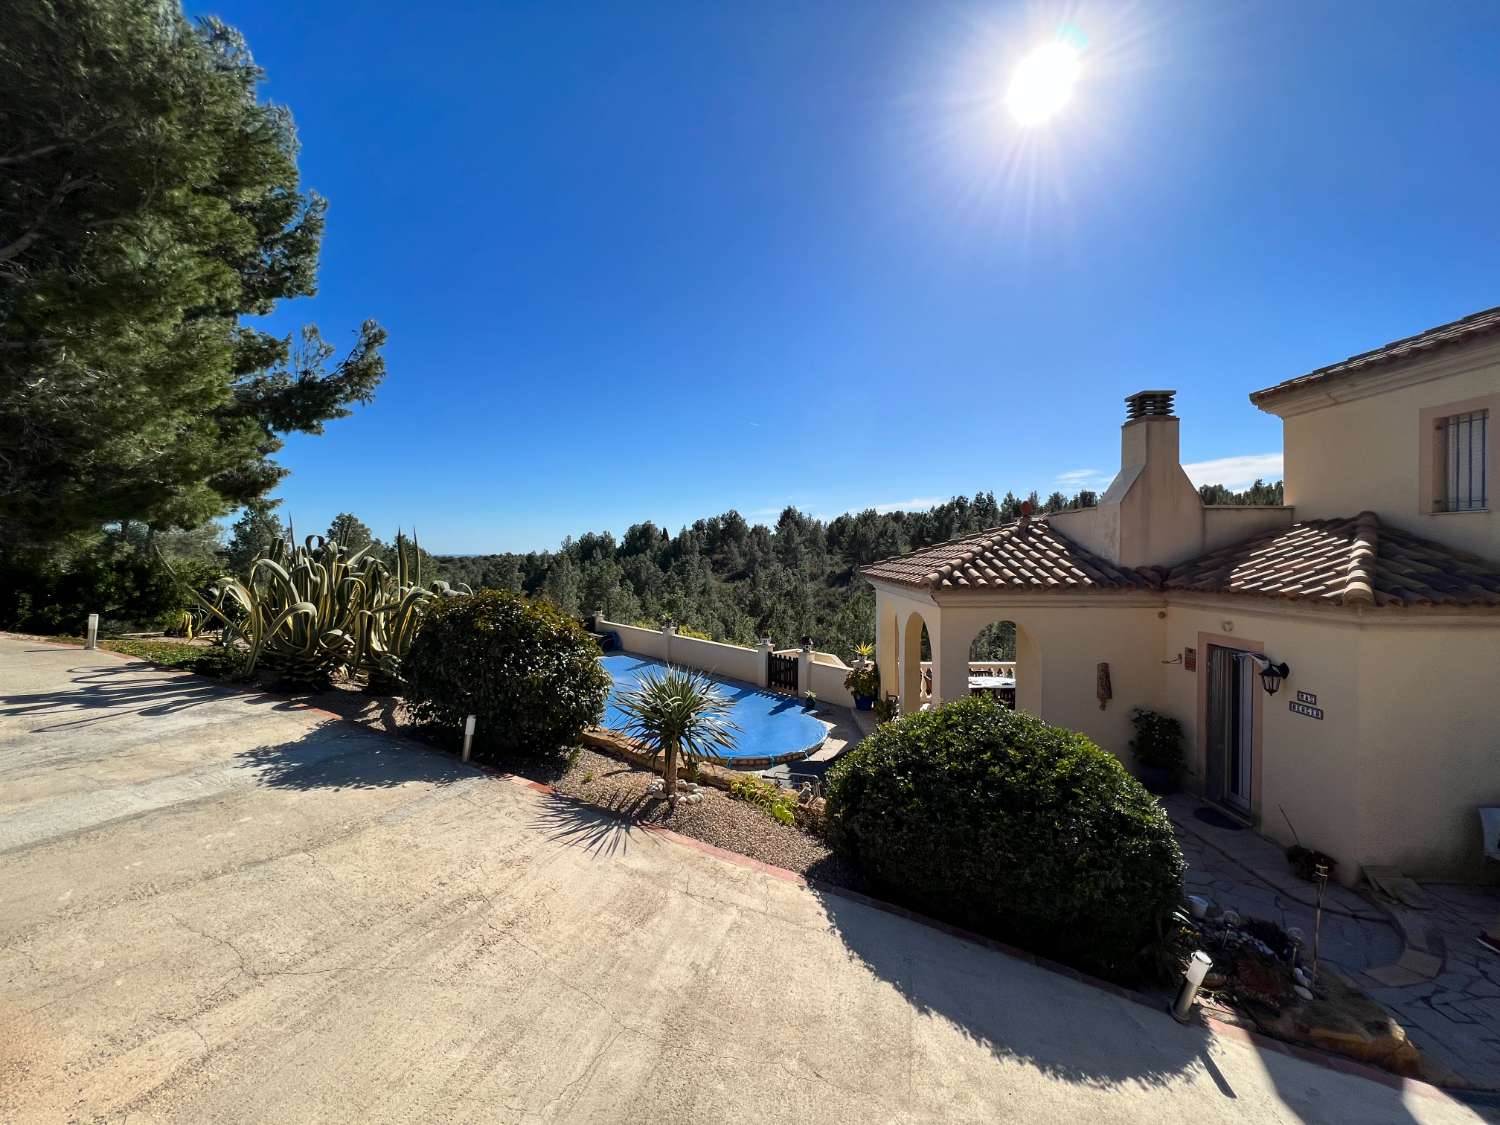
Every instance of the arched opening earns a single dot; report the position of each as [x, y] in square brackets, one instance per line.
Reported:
[1005, 662]
[992, 663]
[916, 651]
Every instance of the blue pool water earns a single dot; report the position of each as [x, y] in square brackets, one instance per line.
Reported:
[773, 728]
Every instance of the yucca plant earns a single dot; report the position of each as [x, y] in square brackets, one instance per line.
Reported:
[676, 712]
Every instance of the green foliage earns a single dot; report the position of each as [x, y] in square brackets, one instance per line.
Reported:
[997, 821]
[863, 681]
[55, 594]
[1158, 740]
[775, 801]
[253, 536]
[530, 673]
[152, 205]
[314, 612]
[349, 531]
[887, 709]
[672, 712]
[1258, 493]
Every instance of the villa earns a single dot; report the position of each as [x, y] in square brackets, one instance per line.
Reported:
[1336, 661]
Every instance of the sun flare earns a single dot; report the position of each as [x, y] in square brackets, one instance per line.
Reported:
[1042, 84]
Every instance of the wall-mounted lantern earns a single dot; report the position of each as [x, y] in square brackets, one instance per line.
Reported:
[1271, 674]
[806, 644]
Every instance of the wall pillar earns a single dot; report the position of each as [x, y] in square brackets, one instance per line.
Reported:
[667, 632]
[950, 663]
[763, 666]
[911, 664]
[804, 669]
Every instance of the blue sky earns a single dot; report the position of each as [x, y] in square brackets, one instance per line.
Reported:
[656, 261]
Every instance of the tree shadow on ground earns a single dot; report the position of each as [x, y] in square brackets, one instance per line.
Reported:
[96, 695]
[337, 755]
[1059, 1021]
[601, 831]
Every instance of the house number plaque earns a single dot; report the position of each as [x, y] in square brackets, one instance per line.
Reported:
[1297, 707]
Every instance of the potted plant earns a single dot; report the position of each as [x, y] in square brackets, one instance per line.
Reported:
[863, 683]
[809, 701]
[1157, 746]
[887, 708]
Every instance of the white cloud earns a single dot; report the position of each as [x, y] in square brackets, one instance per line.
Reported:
[916, 504]
[1236, 472]
[1078, 478]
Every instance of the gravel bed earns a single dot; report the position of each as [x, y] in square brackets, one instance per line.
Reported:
[620, 789]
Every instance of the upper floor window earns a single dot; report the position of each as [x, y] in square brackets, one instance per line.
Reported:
[1463, 451]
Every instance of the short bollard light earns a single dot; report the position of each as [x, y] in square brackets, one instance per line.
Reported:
[93, 637]
[1198, 966]
[468, 736]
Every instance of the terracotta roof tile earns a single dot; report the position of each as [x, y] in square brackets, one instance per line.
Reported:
[1354, 561]
[1459, 331]
[1029, 556]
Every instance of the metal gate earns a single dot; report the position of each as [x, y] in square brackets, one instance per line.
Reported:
[781, 672]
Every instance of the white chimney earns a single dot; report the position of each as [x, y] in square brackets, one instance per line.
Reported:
[1151, 515]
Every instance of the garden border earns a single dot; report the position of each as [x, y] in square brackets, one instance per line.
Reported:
[1469, 1097]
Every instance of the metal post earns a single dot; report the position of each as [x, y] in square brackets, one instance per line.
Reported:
[468, 735]
[93, 637]
[1320, 871]
[1198, 966]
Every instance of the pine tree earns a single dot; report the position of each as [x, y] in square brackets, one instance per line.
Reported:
[150, 204]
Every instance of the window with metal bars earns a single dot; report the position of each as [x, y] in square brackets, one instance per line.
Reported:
[1464, 442]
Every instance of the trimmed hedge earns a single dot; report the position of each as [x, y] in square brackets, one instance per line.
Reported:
[997, 821]
[528, 672]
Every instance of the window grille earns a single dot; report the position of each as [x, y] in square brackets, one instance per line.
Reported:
[1465, 444]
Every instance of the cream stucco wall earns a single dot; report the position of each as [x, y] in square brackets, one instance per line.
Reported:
[1364, 443]
[1060, 641]
[1408, 745]
[1409, 742]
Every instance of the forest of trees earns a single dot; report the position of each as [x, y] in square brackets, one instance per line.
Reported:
[735, 581]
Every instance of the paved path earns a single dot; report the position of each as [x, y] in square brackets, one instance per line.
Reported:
[1451, 1011]
[219, 907]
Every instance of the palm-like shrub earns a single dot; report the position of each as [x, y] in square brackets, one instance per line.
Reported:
[998, 821]
[528, 672]
[674, 712]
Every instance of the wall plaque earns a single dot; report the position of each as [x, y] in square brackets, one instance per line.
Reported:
[1307, 697]
[1303, 709]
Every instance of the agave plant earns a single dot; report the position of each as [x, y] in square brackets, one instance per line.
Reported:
[390, 623]
[316, 611]
[674, 711]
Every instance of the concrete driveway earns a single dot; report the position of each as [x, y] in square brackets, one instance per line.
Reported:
[218, 907]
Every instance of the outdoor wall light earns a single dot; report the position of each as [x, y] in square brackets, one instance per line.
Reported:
[1271, 676]
[807, 644]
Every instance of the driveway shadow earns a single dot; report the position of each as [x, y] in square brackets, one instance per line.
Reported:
[337, 755]
[100, 695]
[1062, 1025]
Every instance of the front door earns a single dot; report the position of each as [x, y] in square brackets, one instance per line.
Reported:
[1231, 736]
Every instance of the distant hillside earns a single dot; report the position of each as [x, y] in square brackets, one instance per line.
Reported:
[737, 582]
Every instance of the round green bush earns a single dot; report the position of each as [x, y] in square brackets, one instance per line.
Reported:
[995, 820]
[527, 671]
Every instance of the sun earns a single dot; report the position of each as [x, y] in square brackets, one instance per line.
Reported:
[1042, 84]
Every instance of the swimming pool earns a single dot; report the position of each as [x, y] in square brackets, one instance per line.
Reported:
[773, 728]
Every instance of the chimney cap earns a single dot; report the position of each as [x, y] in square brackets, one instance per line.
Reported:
[1149, 404]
